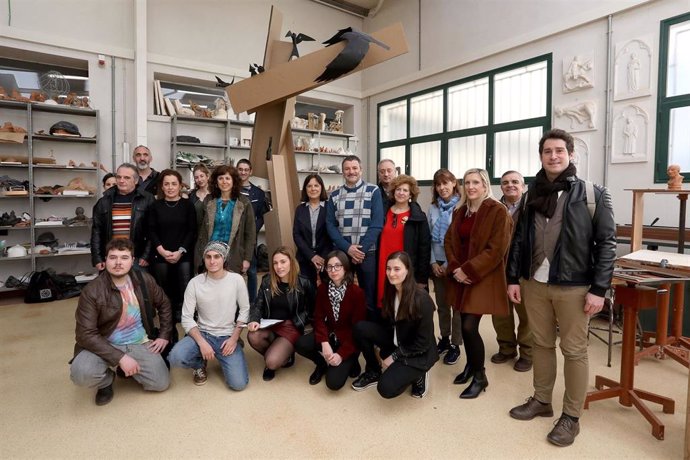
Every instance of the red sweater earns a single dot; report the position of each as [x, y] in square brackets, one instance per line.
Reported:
[352, 311]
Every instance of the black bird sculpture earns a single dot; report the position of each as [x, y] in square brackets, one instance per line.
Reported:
[297, 39]
[356, 47]
[255, 69]
[223, 84]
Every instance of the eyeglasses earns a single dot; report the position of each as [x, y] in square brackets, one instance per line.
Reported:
[333, 268]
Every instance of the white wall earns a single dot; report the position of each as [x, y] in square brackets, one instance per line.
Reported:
[460, 39]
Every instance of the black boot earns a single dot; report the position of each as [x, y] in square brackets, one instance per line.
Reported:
[464, 376]
[479, 384]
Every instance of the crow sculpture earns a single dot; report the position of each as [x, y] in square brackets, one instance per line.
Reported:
[297, 39]
[356, 47]
[223, 84]
[255, 69]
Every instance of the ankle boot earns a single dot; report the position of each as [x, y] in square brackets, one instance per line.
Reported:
[479, 384]
[464, 376]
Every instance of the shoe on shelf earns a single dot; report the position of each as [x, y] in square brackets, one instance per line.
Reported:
[500, 358]
[355, 370]
[479, 384]
[464, 376]
[522, 365]
[421, 386]
[104, 395]
[290, 361]
[443, 345]
[199, 376]
[268, 374]
[530, 409]
[563, 434]
[452, 355]
[366, 380]
[317, 375]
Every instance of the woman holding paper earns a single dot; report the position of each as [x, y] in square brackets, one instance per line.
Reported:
[339, 306]
[287, 296]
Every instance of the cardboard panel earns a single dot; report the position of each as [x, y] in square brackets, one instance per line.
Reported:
[279, 224]
[285, 80]
[271, 122]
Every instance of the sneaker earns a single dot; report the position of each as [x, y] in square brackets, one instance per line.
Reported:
[104, 395]
[421, 386]
[453, 355]
[443, 345]
[530, 409]
[563, 434]
[366, 380]
[199, 376]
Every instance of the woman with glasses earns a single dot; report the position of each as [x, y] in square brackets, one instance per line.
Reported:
[339, 306]
[476, 247]
[405, 338]
[309, 229]
[405, 228]
[288, 297]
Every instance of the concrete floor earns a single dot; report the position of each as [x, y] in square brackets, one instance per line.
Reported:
[43, 415]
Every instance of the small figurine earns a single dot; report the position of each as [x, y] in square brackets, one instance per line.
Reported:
[78, 219]
[675, 180]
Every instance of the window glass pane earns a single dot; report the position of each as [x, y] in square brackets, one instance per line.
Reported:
[468, 105]
[520, 93]
[465, 153]
[518, 150]
[425, 160]
[397, 154]
[679, 138]
[426, 112]
[678, 80]
[393, 121]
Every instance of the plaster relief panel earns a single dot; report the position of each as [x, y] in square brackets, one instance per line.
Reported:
[580, 116]
[631, 134]
[633, 69]
[581, 155]
[578, 72]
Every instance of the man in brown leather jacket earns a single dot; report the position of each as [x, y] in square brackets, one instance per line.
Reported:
[115, 327]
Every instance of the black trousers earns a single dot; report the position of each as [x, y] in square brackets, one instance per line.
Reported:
[398, 376]
[336, 376]
[173, 278]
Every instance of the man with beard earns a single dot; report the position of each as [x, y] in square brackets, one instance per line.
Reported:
[148, 177]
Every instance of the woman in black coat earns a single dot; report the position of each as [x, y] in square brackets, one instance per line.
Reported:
[309, 229]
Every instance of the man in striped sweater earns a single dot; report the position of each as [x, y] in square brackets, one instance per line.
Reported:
[354, 220]
[121, 213]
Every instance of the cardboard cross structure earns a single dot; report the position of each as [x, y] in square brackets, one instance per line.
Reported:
[271, 95]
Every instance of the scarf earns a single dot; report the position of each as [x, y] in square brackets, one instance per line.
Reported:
[543, 196]
[336, 295]
[443, 222]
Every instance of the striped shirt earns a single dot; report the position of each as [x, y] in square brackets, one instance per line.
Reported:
[122, 215]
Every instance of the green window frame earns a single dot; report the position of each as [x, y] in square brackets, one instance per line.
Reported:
[487, 131]
[667, 104]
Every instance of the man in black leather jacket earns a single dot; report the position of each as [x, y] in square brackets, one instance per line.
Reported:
[562, 258]
[131, 207]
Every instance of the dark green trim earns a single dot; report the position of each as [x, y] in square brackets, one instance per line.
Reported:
[666, 104]
[489, 130]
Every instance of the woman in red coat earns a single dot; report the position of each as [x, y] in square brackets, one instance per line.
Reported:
[339, 306]
[476, 247]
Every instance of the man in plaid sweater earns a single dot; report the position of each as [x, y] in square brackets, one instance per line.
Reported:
[354, 219]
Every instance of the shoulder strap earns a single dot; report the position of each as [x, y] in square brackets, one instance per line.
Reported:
[591, 201]
[147, 302]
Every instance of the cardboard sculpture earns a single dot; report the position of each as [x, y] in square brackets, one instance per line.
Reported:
[271, 95]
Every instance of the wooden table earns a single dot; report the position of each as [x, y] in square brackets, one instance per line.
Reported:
[633, 299]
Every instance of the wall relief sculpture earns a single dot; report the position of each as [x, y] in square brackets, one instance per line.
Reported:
[580, 116]
[581, 155]
[578, 72]
[633, 69]
[630, 134]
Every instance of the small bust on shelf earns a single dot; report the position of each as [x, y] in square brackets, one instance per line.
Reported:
[78, 219]
[675, 180]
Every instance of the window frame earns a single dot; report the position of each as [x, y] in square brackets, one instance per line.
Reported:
[490, 129]
[666, 104]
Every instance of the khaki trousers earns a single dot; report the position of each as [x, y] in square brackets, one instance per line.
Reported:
[548, 306]
[505, 332]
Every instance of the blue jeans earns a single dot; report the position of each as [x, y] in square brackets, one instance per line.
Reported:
[251, 280]
[187, 354]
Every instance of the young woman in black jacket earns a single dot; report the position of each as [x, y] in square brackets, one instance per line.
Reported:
[405, 338]
[287, 296]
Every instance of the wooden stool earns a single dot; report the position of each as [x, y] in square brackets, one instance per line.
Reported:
[632, 299]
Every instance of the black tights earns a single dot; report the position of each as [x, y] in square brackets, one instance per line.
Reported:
[474, 345]
[276, 349]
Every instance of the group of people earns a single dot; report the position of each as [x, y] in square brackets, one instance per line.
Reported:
[547, 254]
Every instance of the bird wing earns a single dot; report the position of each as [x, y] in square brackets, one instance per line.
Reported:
[221, 83]
[348, 59]
[303, 38]
[337, 37]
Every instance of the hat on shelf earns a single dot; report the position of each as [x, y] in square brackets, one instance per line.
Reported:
[48, 239]
[65, 127]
